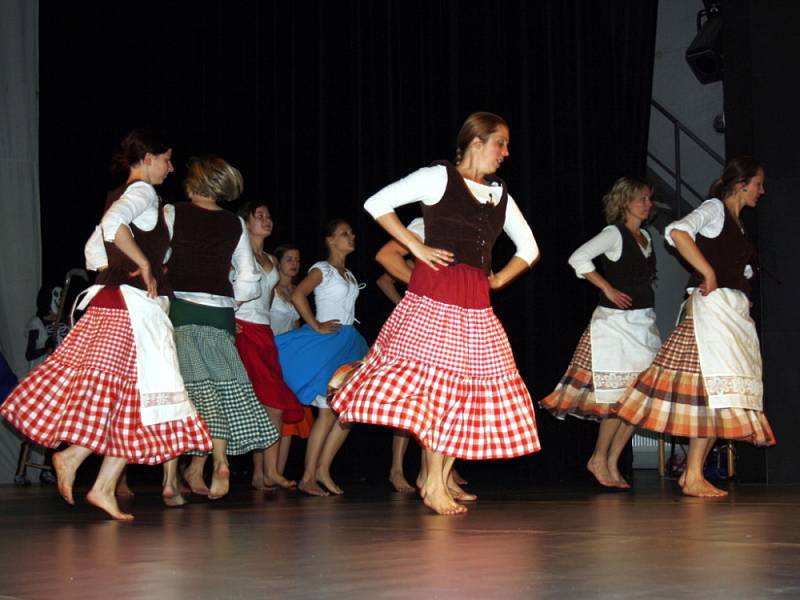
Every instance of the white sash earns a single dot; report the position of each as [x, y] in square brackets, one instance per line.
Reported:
[624, 343]
[158, 378]
[730, 356]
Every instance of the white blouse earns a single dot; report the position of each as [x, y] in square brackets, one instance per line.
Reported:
[283, 316]
[257, 310]
[708, 219]
[608, 242]
[335, 297]
[427, 185]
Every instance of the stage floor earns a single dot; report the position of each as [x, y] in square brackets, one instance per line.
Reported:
[558, 541]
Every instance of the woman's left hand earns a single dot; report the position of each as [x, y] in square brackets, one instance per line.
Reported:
[495, 283]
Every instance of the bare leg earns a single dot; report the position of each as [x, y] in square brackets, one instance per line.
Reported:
[322, 425]
[102, 493]
[598, 462]
[272, 475]
[396, 476]
[194, 475]
[456, 491]
[170, 492]
[283, 452]
[257, 482]
[434, 492]
[621, 438]
[220, 477]
[423, 470]
[694, 482]
[123, 491]
[336, 437]
[66, 464]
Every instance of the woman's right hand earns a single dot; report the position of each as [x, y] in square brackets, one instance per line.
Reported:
[327, 326]
[617, 298]
[709, 283]
[431, 256]
[147, 278]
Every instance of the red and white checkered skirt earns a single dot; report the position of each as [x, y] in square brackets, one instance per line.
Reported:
[670, 397]
[85, 394]
[574, 394]
[447, 374]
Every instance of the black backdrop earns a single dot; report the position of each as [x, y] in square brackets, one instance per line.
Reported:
[319, 104]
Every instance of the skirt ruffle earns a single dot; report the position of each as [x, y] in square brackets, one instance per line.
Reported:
[256, 346]
[220, 389]
[301, 429]
[670, 397]
[448, 375]
[574, 394]
[309, 359]
[85, 394]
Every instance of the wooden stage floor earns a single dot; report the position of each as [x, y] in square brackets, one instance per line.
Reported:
[558, 541]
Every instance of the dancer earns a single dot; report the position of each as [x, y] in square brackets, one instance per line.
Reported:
[705, 382]
[283, 317]
[310, 355]
[113, 387]
[442, 366]
[211, 269]
[393, 257]
[256, 345]
[622, 338]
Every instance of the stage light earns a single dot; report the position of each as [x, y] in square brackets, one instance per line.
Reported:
[704, 54]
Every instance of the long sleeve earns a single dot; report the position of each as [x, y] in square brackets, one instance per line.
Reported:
[246, 274]
[608, 242]
[95, 251]
[517, 228]
[137, 205]
[707, 219]
[425, 185]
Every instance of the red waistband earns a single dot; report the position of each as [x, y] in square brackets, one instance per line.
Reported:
[459, 284]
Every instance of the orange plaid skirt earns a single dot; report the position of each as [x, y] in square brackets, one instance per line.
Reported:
[670, 397]
[574, 394]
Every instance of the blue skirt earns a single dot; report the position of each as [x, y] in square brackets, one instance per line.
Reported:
[309, 359]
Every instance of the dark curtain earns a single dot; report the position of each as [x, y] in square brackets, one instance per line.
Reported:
[322, 103]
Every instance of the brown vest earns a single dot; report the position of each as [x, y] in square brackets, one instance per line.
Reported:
[461, 224]
[203, 242]
[153, 244]
[728, 254]
[632, 274]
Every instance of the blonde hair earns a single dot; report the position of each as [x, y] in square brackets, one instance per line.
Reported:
[478, 125]
[616, 201]
[215, 178]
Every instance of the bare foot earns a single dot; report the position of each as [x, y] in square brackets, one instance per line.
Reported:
[600, 471]
[277, 480]
[108, 503]
[220, 481]
[65, 473]
[194, 480]
[457, 477]
[400, 484]
[257, 483]
[682, 479]
[327, 481]
[172, 496]
[701, 488]
[458, 493]
[123, 491]
[617, 479]
[441, 503]
[312, 488]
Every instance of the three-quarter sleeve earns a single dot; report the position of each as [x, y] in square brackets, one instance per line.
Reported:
[707, 220]
[426, 185]
[95, 251]
[137, 205]
[608, 242]
[417, 227]
[517, 228]
[246, 274]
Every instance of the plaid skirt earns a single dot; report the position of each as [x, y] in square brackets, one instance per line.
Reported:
[574, 394]
[670, 397]
[85, 394]
[218, 385]
[447, 374]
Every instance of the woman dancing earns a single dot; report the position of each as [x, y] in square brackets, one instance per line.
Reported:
[622, 338]
[113, 386]
[442, 366]
[211, 269]
[256, 345]
[310, 355]
[705, 382]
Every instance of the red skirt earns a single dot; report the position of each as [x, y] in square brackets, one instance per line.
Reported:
[256, 346]
[301, 429]
[85, 394]
[442, 368]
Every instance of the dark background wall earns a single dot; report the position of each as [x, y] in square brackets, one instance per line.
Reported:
[761, 101]
[320, 104]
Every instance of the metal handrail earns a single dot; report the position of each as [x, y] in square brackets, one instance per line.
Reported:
[677, 128]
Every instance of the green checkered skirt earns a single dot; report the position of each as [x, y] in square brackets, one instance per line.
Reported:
[218, 385]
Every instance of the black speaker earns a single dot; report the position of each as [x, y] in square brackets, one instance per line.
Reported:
[704, 54]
